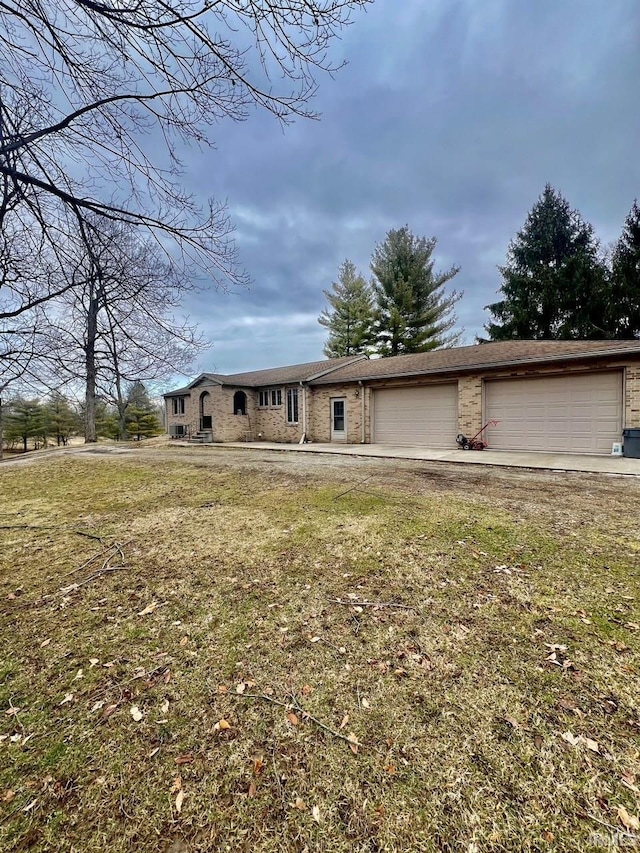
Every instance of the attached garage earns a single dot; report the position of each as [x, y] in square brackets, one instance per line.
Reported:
[567, 414]
[426, 415]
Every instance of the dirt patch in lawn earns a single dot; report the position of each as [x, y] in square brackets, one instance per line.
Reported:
[206, 649]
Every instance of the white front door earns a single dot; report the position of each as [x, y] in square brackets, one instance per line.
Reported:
[338, 419]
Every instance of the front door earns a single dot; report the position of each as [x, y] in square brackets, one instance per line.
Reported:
[338, 419]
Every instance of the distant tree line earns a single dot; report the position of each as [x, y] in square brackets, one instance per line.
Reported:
[55, 419]
[558, 283]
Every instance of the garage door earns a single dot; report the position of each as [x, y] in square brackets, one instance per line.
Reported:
[572, 414]
[426, 416]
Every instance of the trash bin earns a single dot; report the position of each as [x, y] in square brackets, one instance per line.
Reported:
[631, 439]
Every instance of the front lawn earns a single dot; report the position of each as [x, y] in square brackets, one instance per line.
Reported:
[220, 651]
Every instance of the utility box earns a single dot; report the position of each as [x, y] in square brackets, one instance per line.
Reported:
[631, 439]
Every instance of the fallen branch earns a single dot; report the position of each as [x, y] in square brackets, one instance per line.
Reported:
[353, 488]
[105, 570]
[295, 706]
[354, 602]
[614, 829]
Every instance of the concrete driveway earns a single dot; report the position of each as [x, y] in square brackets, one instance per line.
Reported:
[506, 458]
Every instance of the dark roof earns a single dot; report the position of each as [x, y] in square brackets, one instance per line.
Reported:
[273, 376]
[479, 357]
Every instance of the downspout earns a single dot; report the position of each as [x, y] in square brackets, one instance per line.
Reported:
[303, 437]
[362, 430]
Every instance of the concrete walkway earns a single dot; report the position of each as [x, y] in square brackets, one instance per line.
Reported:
[507, 458]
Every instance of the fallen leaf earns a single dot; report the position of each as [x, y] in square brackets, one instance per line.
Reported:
[167, 676]
[512, 721]
[177, 785]
[293, 718]
[307, 690]
[79, 674]
[628, 780]
[184, 640]
[222, 688]
[45, 642]
[8, 795]
[240, 688]
[353, 742]
[629, 820]
[108, 711]
[314, 640]
[300, 805]
[148, 609]
[315, 813]
[153, 752]
[12, 711]
[179, 801]
[390, 768]
[30, 806]
[222, 725]
[93, 662]
[591, 744]
[365, 704]
[258, 764]
[67, 698]
[184, 759]
[252, 789]
[574, 740]
[164, 707]
[136, 713]
[344, 722]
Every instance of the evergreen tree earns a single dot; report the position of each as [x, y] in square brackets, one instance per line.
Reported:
[623, 305]
[61, 419]
[141, 418]
[23, 420]
[413, 313]
[350, 316]
[554, 282]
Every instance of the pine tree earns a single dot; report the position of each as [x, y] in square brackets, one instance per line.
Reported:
[141, 418]
[554, 282]
[61, 419]
[23, 420]
[413, 313]
[350, 317]
[623, 304]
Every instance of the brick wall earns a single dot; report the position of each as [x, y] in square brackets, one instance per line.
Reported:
[319, 412]
[632, 396]
[469, 405]
[271, 421]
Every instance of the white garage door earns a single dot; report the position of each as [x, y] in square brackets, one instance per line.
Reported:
[572, 414]
[426, 416]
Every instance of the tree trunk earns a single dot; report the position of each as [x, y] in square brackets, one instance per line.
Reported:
[1, 440]
[90, 433]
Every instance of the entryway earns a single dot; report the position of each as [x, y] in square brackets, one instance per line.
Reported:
[338, 419]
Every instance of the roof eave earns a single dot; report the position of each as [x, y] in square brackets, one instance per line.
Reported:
[497, 365]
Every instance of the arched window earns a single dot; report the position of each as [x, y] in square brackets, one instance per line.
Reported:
[240, 403]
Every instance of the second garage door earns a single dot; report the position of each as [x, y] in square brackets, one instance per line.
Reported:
[426, 416]
[570, 414]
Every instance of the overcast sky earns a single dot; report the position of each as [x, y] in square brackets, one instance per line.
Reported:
[450, 117]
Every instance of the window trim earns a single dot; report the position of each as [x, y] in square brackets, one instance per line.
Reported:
[266, 397]
[178, 406]
[293, 407]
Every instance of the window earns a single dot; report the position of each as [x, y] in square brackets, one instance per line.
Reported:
[292, 405]
[271, 397]
[177, 430]
[177, 405]
[240, 403]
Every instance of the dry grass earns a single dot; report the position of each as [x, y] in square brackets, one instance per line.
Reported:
[457, 710]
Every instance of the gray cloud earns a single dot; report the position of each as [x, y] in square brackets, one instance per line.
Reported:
[450, 117]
